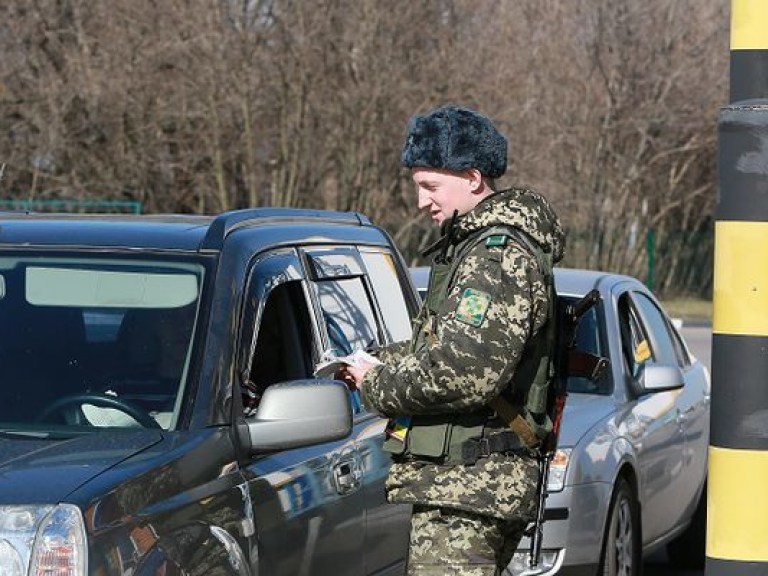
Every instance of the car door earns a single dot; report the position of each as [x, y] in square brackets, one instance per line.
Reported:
[307, 503]
[690, 404]
[655, 428]
[362, 306]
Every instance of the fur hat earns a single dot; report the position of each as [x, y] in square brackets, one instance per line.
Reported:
[455, 138]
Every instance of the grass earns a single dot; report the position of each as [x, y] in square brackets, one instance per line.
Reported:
[689, 308]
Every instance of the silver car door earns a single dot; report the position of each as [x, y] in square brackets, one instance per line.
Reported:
[662, 446]
[690, 404]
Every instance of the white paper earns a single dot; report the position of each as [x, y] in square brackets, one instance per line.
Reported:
[331, 364]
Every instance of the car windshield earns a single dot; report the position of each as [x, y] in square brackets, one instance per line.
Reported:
[88, 343]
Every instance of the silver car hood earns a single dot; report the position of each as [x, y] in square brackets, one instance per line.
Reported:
[582, 413]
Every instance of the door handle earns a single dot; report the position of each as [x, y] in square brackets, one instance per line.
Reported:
[346, 476]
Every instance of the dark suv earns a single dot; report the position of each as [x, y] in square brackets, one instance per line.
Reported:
[158, 410]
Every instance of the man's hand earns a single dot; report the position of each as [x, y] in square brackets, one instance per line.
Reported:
[354, 375]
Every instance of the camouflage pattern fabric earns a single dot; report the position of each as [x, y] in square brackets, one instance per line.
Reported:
[502, 486]
[445, 542]
[465, 365]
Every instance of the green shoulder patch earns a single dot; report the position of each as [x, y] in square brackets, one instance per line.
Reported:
[473, 306]
[496, 240]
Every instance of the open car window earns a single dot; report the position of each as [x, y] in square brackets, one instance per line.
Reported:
[276, 343]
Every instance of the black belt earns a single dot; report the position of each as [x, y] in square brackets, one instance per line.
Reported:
[504, 442]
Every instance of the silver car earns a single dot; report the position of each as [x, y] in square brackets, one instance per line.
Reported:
[630, 471]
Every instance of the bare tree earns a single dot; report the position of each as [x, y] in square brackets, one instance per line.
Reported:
[203, 106]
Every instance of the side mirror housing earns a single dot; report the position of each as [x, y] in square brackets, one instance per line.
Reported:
[300, 413]
[657, 378]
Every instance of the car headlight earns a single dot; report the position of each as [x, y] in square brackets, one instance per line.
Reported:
[550, 562]
[557, 469]
[47, 539]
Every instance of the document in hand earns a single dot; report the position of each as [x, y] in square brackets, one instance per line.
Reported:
[327, 367]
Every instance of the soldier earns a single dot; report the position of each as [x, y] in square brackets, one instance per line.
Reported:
[480, 339]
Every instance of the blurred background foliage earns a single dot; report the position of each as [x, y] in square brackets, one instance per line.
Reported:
[208, 105]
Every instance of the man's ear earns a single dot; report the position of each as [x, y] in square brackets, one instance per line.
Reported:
[475, 180]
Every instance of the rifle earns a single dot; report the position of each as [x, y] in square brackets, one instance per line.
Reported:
[568, 362]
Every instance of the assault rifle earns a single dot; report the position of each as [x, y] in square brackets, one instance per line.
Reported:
[569, 361]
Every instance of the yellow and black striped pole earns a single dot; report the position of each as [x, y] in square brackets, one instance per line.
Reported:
[737, 520]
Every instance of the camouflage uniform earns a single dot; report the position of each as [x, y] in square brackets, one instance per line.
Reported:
[466, 361]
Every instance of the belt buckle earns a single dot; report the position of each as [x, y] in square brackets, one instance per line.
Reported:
[484, 447]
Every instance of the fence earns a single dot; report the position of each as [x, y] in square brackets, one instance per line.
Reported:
[79, 206]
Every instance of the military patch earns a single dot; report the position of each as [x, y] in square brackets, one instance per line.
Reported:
[472, 307]
[496, 240]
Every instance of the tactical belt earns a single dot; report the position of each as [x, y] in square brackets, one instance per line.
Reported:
[500, 443]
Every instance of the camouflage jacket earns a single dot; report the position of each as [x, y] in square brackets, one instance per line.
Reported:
[467, 363]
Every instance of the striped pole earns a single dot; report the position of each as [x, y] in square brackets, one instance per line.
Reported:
[737, 504]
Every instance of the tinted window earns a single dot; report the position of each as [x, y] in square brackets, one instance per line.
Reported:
[120, 329]
[635, 348]
[589, 339]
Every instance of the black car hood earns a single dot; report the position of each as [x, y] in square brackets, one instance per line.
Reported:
[41, 471]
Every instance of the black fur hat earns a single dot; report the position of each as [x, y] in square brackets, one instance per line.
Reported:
[455, 138]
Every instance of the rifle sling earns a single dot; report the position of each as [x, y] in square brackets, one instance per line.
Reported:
[514, 420]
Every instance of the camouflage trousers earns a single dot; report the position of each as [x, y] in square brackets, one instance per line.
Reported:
[448, 542]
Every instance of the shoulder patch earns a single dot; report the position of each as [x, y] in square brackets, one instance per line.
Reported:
[496, 240]
[472, 307]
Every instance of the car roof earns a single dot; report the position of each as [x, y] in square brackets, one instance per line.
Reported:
[577, 282]
[163, 231]
[568, 281]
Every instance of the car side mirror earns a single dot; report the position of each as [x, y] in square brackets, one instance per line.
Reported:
[300, 413]
[658, 378]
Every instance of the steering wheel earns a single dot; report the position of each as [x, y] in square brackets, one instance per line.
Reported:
[102, 401]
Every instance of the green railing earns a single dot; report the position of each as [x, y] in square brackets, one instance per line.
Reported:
[64, 205]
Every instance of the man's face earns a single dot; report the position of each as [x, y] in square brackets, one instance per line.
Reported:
[441, 192]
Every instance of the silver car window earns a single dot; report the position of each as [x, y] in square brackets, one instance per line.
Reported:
[634, 344]
[662, 346]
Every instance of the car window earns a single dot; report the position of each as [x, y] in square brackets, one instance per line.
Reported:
[348, 315]
[90, 342]
[349, 320]
[389, 292]
[283, 343]
[634, 345]
[277, 328]
[589, 339]
[680, 348]
[663, 348]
